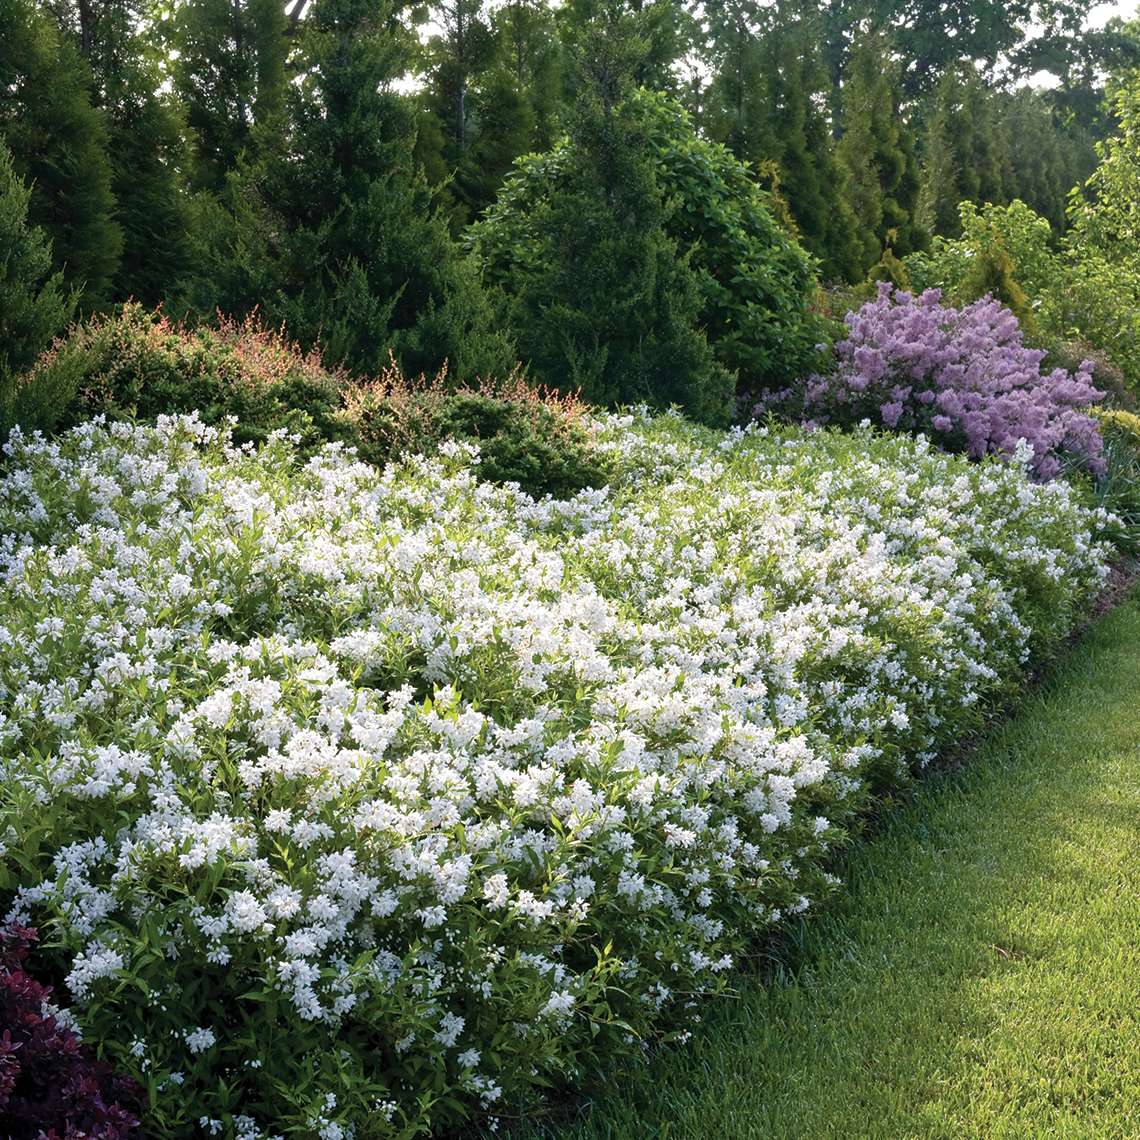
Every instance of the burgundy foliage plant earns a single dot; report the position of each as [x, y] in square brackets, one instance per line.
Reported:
[51, 1088]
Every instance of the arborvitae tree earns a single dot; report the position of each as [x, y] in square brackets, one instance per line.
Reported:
[963, 158]
[767, 104]
[512, 105]
[985, 166]
[503, 129]
[34, 305]
[910, 233]
[335, 232]
[229, 74]
[154, 210]
[1045, 160]
[666, 31]
[938, 195]
[878, 152]
[58, 142]
[459, 61]
[463, 47]
[146, 142]
[529, 50]
[609, 306]
[735, 103]
[272, 23]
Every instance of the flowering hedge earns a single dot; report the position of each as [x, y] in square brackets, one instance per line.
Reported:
[355, 802]
[963, 376]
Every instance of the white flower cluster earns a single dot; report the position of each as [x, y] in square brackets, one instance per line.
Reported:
[373, 784]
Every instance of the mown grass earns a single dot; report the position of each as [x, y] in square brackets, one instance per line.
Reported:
[980, 976]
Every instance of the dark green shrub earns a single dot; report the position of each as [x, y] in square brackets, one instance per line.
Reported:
[527, 436]
[758, 285]
[603, 296]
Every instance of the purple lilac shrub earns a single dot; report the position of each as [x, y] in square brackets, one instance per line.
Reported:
[961, 376]
[50, 1086]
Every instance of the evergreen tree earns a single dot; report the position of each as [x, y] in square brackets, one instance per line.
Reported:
[530, 52]
[767, 104]
[1045, 160]
[878, 152]
[456, 59]
[229, 74]
[737, 101]
[504, 128]
[512, 106]
[34, 305]
[334, 232]
[963, 158]
[611, 308]
[154, 210]
[758, 284]
[938, 195]
[463, 48]
[985, 164]
[665, 31]
[58, 142]
[147, 145]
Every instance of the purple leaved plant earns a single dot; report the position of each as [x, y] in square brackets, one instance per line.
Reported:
[961, 376]
[51, 1088]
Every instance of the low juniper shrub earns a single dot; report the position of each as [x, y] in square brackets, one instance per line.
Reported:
[963, 376]
[525, 435]
[51, 1088]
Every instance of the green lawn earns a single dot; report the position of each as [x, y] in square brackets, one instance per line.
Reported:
[981, 976]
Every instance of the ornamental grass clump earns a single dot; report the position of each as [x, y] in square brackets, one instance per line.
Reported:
[359, 802]
[962, 376]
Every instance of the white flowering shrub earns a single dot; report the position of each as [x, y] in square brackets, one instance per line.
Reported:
[352, 803]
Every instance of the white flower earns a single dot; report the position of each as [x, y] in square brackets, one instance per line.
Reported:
[199, 1040]
[559, 1004]
[413, 742]
[495, 891]
[432, 916]
[91, 965]
[450, 1027]
[245, 912]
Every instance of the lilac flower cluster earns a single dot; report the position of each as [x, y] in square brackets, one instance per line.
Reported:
[962, 376]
